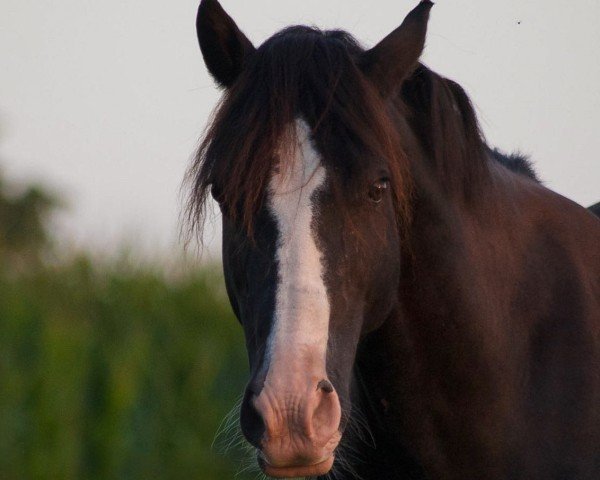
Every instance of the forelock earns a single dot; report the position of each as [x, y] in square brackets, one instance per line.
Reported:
[301, 72]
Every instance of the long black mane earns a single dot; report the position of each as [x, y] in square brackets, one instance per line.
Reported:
[300, 72]
[313, 74]
[445, 120]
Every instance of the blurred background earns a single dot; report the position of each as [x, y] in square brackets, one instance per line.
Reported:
[119, 355]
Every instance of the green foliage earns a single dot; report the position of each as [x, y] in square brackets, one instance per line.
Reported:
[23, 229]
[115, 373]
[108, 370]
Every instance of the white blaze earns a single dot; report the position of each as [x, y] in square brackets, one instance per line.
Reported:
[301, 321]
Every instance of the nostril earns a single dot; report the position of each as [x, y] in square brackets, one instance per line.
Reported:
[326, 386]
[325, 417]
[253, 426]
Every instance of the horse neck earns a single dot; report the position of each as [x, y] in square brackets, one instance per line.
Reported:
[433, 348]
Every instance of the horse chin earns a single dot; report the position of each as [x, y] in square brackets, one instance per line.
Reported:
[320, 468]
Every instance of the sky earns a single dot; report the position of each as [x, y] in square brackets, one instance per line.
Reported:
[106, 101]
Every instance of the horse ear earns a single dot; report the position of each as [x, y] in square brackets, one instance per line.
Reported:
[389, 62]
[224, 47]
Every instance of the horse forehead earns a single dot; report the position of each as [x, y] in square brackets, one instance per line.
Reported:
[300, 164]
[293, 186]
[300, 174]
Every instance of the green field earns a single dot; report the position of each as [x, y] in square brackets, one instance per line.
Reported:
[111, 369]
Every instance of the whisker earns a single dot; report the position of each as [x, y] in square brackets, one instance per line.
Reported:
[229, 431]
[229, 440]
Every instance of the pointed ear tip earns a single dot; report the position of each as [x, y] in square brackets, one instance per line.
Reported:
[209, 4]
[421, 11]
[209, 11]
[425, 5]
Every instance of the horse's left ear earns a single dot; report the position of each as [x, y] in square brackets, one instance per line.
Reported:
[389, 62]
[224, 46]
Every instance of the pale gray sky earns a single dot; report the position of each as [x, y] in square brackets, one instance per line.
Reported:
[105, 101]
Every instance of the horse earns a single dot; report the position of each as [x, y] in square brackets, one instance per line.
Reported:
[415, 304]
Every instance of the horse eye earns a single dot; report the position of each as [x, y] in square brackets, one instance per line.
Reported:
[378, 189]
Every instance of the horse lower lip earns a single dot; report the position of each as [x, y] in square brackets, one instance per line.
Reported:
[320, 468]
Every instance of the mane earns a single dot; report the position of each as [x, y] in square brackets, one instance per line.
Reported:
[515, 162]
[443, 118]
[306, 73]
[445, 121]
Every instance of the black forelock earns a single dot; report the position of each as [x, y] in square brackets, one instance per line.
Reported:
[300, 72]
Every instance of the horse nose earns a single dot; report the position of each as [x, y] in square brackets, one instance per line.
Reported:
[306, 410]
[294, 424]
[256, 415]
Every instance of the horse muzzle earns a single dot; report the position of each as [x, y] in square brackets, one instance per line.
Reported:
[296, 426]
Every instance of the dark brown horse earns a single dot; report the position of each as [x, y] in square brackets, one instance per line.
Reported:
[393, 272]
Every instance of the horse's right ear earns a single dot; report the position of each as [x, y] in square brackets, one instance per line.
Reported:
[224, 47]
[389, 62]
